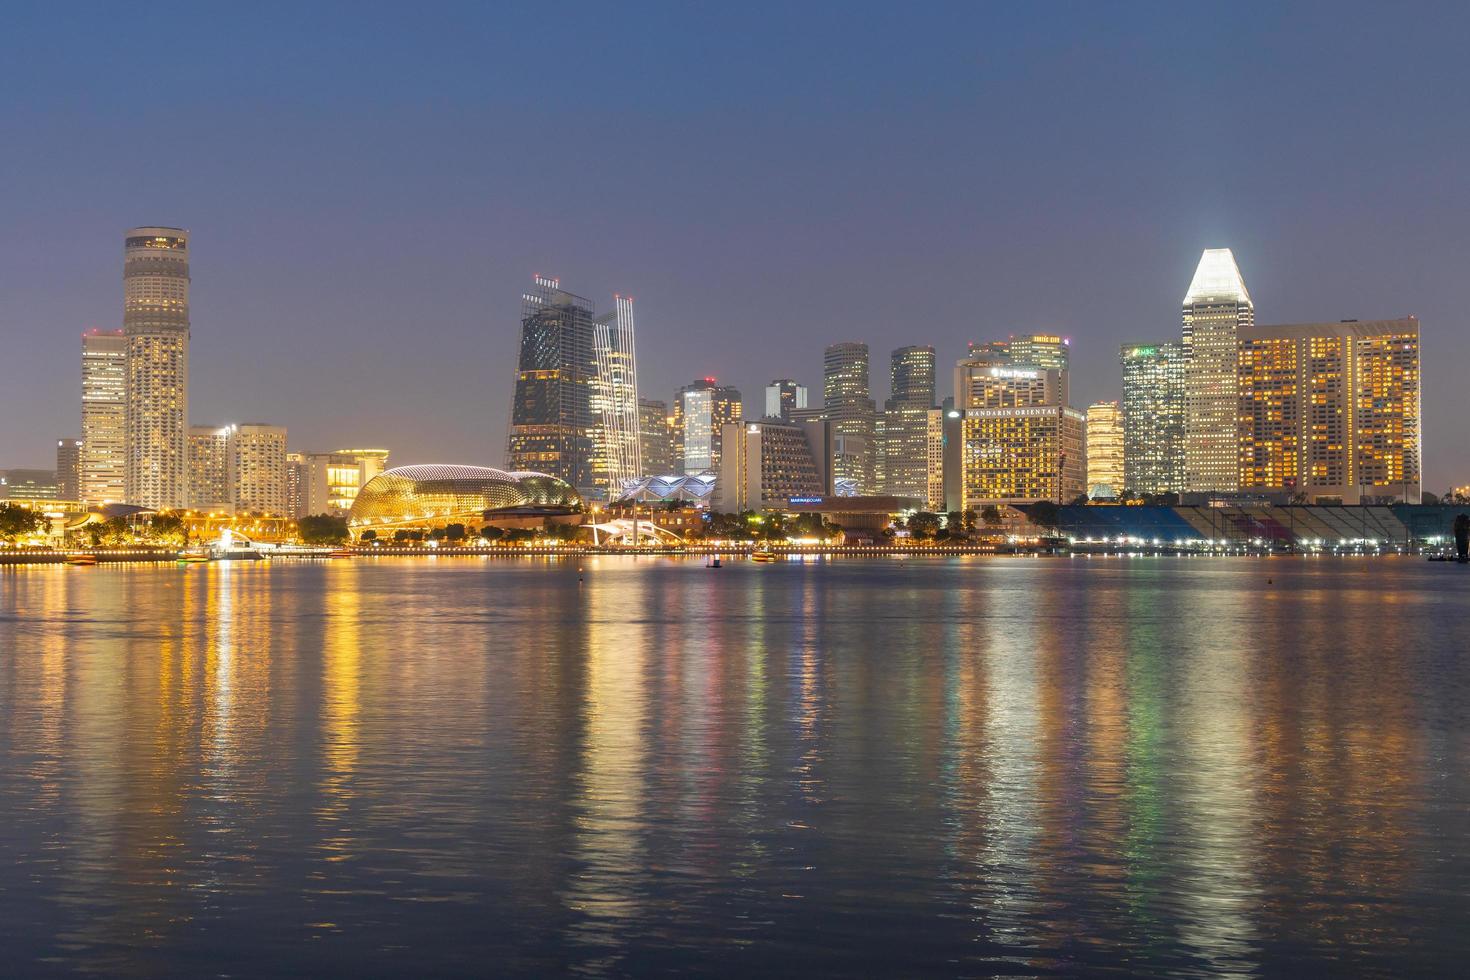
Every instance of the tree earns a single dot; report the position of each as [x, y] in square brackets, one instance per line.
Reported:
[969, 520]
[454, 532]
[923, 525]
[168, 528]
[322, 529]
[1043, 513]
[491, 533]
[1080, 500]
[401, 535]
[370, 535]
[990, 514]
[954, 523]
[17, 522]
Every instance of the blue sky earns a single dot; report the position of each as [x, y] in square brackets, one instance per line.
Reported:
[369, 187]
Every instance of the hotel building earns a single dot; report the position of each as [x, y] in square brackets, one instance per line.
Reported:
[257, 468]
[104, 416]
[768, 462]
[1331, 410]
[1216, 308]
[209, 469]
[156, 330]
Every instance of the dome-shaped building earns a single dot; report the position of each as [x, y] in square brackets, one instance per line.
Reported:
[434, 495]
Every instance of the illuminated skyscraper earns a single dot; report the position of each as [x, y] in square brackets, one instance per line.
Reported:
[104, 416]
[1018, 455]
[1216, 308]
[909, 433]
[553, 427]
[848, 404]
[209, 468]
[1331, 410]
[257, 468]
[156, 328]
[68, 468]
[701, 410]
[656, 433]
[911, 377]
[1153, 418]
[783, 397]
[615, 399]
[1104, 450]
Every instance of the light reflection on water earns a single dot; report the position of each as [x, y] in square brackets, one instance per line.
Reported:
[966, 766]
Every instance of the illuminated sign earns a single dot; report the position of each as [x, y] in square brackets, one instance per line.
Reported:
[998, 372]
[806, 500]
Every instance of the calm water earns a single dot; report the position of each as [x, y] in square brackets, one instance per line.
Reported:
[966, 766]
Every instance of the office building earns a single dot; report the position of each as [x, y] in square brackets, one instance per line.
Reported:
[68, 468]
[21, 484]
[783, 397]
[209, 469]
[1104, 450]
[911, 378]
[848, 404]
[701, 410]
[330, 482]
[1038, 350]
[619, 449]
[296, 486]
[104, 416]
[257, 468]
[911, 454]
[1015, 455]
[553, 428]
[769, 462]
[156, 329]
[1216, 308]
[656, 435]
[1330, 411]
[1153, 418]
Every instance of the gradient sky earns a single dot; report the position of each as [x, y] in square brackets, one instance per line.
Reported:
[370, 187]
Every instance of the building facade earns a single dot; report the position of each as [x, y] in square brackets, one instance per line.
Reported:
[68, 468]
[911, 454]
[1104, 450]
[982, 385]
[209, 469]
[104, 417]
[1153, 418]
[702, 409]
[257, 468]
[1018, 455]
[1216, 308]
[330, 482]
[847, 403]
[619, 448]
[156, 330]
[784, 397]
[1331, 411]
[553, 427]
[767, 463]
[656, 438]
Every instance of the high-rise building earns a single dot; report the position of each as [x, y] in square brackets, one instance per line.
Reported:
[1039, 350]
[848, 404]
[981, 386]
[553, 428]
[209, 469]
[296, 485]
[1216, 308]
[766, 463]
[783, 397]
[1331, 410]
[615, 399]
[1104, 450]
[68, 468]
[29, 485]
[156, 328]
[911, 378]
[656, 433]
[257, 474]
[1153, 418]
[104, 416]
[701, 410]
[329, 482]
[1016, 455]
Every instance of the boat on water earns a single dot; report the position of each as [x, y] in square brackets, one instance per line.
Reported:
[233, 546]
[192, 557]
[81, 559]
[341, 553]
[763, 556]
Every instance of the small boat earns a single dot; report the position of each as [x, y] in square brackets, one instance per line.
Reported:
[340, 553]
[763, 556]
[84, 560]
[192, 558]
[715, 563]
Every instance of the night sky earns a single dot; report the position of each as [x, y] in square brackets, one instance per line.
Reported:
[369, 189]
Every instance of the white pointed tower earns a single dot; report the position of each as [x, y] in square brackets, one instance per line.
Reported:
[1215, 308]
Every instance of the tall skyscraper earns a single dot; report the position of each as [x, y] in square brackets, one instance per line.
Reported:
[783, 397]
[104, 416]
[1038, 350]
[553, 428]
[615, 399]
[1216, 308]
[911, 377]
[68, 468]
[1153, 418]
[257, 461]
[209, 469]
[656, 433]
[1026, 356]
[1331, 410]
[1104, 450]
[156, 327]
[1016, 455]
[847, 402]
[701, 410]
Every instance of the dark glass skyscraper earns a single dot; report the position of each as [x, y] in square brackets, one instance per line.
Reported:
[552, 423]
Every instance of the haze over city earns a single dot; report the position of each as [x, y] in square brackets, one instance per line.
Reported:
[369, 192]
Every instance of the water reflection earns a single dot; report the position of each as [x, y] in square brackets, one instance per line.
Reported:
[627, 766]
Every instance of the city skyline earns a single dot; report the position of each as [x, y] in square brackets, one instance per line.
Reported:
[305, 276]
